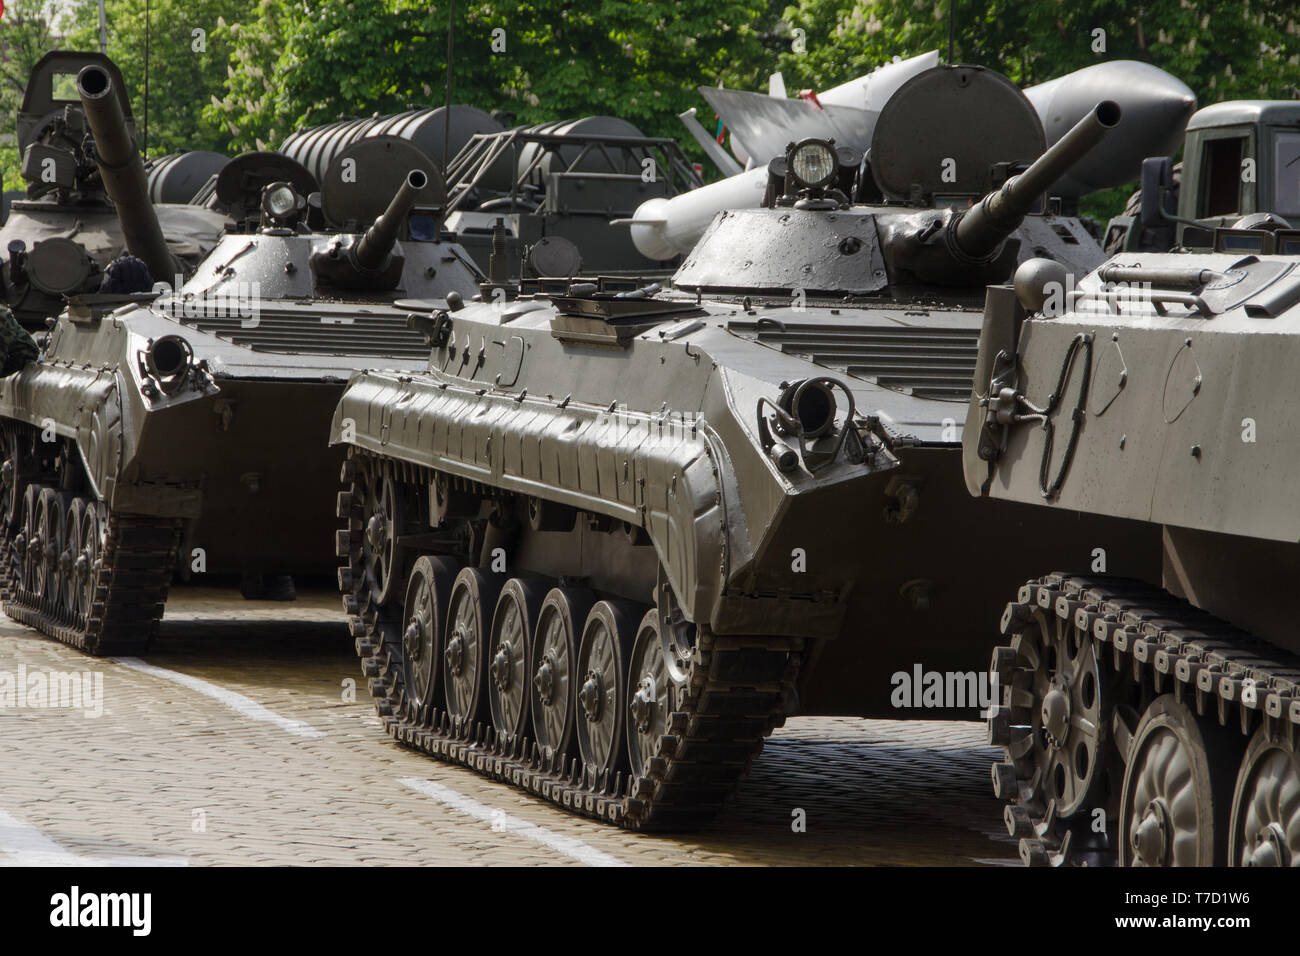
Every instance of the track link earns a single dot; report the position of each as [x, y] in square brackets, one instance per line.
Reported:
[737, 691]
[1168, 645]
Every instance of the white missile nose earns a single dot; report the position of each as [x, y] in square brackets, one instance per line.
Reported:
[648, 230]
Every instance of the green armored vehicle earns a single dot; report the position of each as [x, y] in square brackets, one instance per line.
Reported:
[613, 534]
[58, 241]
[182, 431]
[1150, 721]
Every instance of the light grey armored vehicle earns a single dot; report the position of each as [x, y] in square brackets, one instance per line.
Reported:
[613, 535]
[184, 431]
[1151, 721]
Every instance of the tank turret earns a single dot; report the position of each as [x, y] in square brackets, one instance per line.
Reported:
[979, 232]
[977, 239]
[122, 170]
[59, 239]
[919, 215]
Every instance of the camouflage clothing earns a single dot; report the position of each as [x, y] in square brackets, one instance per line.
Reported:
[19, 348]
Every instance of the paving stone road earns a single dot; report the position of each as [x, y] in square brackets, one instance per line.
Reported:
[237, 742]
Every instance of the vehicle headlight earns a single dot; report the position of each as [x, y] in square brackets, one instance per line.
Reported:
[813, 163]
[279, 200]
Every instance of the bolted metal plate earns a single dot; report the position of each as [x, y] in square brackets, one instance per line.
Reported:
[785, 250]
[946, 127]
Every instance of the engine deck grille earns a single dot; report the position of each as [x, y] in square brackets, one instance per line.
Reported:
[309, 332]
[926, 362]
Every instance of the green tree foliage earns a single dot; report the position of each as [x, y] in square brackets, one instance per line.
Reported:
[1234, 49]
[188, 63]
[262, 68]
[26, 34]
[307, 62]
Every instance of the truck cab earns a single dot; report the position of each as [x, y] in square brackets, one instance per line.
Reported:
[1239, 157]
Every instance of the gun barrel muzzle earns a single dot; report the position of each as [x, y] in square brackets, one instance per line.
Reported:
[983, 228]
[122, 171]
[376, 245]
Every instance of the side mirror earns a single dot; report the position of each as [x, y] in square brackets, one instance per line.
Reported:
[1157, 180]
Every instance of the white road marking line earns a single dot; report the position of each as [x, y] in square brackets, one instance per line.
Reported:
[23, 845]
[242, 705]
[504, 823]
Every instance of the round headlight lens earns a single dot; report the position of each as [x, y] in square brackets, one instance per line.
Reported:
[813, 163]
[280, 200]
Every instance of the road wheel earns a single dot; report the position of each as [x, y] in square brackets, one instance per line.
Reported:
[46, 543]
[553, 664]
[469, 615]
[69, 548]
[1177, 789]
[428, 591]
[88, 561]
[25, 547]
[509, 642]
[650, 694]
[602, 694]
[1265, 827]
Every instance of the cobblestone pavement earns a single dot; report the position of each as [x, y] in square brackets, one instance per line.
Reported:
[238, 742]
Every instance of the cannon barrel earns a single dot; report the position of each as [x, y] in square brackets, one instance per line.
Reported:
[373, 249]
[122, 171]
[983, 228]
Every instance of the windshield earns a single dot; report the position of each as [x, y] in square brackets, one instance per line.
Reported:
[1286, 188]
[63, 88]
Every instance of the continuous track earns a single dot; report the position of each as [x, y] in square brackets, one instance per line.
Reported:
[102, 591]
[1155, 644]
[736, 692]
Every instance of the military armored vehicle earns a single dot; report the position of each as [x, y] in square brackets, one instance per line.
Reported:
[1239, 158]
[551, 190]
[59, 239]
[614, 533]
[184, 430]
[568, 187]
[1150, 721]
